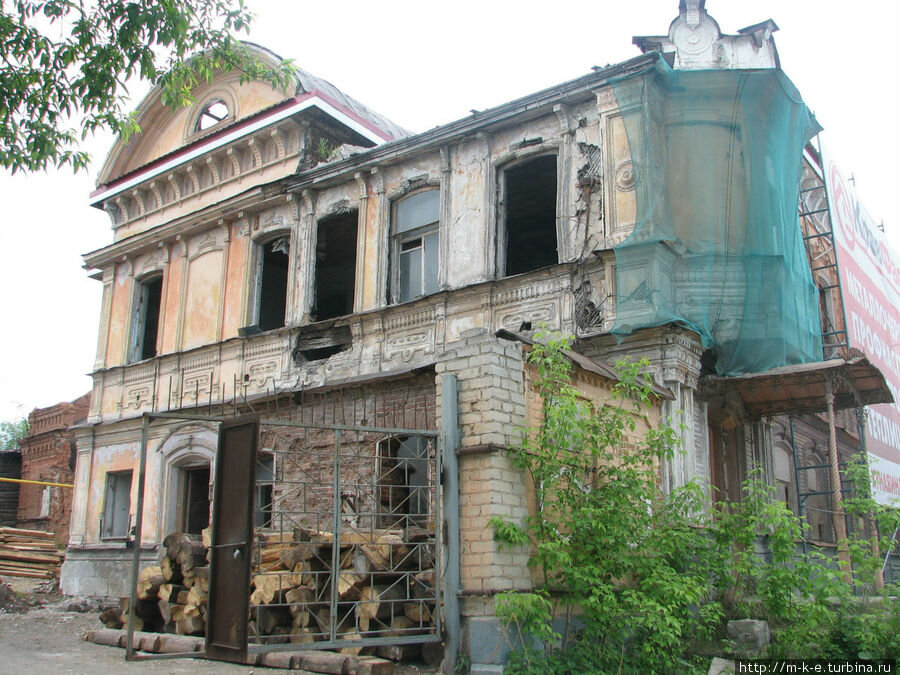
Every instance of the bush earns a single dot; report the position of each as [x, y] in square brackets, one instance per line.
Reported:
[651, 576]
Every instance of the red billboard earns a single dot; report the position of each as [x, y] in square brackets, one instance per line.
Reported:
[870, 284]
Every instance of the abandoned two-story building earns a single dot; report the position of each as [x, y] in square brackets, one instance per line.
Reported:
[298, 256]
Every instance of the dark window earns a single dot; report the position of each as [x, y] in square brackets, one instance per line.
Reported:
[117, 506]
[265, 476]
[195, 511]
[145, 324]
[335, 265]
[212, 113]
[414, 268]
[271, 285]
[529, 216]
[403, 480]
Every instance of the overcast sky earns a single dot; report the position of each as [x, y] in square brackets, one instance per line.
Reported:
[424, 64]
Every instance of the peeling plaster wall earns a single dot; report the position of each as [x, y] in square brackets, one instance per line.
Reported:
[466, 231]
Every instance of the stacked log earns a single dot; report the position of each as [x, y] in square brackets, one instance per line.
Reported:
[29, 553]
[382, 590]
[182, 597]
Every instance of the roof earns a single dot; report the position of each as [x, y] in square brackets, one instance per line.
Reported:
[531, 105]
[309, 83]
[586, 363]
[802, 388]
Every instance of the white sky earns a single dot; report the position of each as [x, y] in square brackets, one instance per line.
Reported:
[424, 64]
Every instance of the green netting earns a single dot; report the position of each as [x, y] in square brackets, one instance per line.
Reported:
[717, 245]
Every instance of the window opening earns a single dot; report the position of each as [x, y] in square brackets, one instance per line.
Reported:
[195, 507]
[271, 286]
[212, 114]
[45, 501]
[403, 480]
[415, 246]
[335, 265]
[265, 478]
[783, 476]
[145, 324]
[529, 216]
[117, 506]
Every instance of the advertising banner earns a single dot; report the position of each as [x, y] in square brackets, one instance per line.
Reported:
[870, 283]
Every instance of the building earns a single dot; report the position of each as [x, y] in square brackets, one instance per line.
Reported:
[48, 456]
[301, 257]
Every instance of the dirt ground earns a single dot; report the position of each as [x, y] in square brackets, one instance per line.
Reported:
[41, 632]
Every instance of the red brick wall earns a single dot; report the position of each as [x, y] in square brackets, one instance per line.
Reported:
[47, 455]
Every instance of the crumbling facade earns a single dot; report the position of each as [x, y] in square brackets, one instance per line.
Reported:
[48, 456]
[271, 249]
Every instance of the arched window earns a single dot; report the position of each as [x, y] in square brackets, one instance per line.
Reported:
[213, 113]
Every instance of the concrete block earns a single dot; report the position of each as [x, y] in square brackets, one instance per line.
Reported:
[721, 666]
[485, 669]
[750, 637]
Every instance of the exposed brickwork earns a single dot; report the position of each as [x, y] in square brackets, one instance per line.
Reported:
[490, 375]
[47, 455]
[305, 458]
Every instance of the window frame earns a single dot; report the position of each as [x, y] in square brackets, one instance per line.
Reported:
[502, 193]
[198, 128]
[419, 232]
[112, 490]
[256, 284]
[138, 326]
[389, 464]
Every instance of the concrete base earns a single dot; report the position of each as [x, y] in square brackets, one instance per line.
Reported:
[482, 669]
[485, 642]
[101, 572]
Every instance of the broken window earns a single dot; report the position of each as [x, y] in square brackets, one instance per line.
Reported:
[272, 258]
[403, 480]
[145, 321]
[213, 112]
[528, 223]
[195, 504]
[262, 500]
[335, 265]
[116, 516]
[414, 272]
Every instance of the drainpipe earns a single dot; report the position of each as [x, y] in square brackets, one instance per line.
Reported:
[450, 433]
[138, 527]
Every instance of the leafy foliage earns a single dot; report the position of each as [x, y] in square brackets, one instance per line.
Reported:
[618, 558]
[646, 580]
[11, 432]
[65, 65]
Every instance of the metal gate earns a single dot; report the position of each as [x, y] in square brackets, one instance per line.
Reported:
[346, 545]
[346, 548]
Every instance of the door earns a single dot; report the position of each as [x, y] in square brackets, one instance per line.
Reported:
[232, 530]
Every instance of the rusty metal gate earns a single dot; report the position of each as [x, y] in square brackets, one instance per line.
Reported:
[346, 549]
[346, 545]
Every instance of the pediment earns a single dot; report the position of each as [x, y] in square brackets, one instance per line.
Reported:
[165, 129]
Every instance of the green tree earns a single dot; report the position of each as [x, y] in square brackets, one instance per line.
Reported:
[11, 432]
[64, 65]
[618, 558]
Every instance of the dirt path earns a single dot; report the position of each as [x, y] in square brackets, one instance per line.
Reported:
[41, 632]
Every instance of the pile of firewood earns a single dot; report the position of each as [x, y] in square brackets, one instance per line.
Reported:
[29, 553]
[385, 588]
[171, 596]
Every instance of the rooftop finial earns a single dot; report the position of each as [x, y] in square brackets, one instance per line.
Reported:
[690, 11]
[694, 42]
